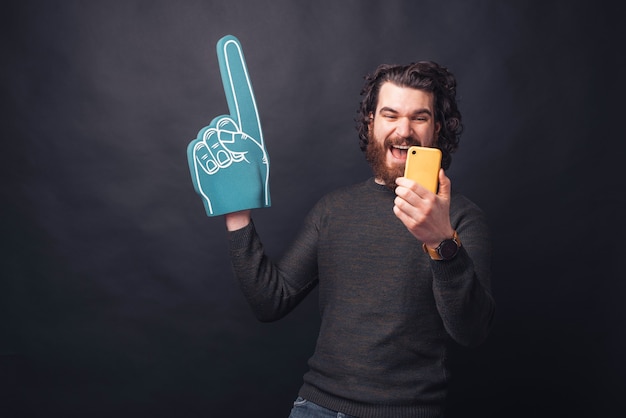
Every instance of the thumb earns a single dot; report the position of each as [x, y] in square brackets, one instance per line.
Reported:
[445, 185]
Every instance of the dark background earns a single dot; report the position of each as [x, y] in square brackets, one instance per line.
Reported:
[116, 294]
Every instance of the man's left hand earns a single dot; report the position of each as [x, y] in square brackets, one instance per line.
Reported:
[425, 214]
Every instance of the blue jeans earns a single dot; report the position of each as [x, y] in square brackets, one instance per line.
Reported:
[307, 409]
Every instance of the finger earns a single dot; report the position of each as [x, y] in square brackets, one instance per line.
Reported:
[410, 216]
[406, 183]
[407, 201]
[238, 87]
[227, 131]
[414, 187]
[203, 159]
[215, 149]
[445, 186]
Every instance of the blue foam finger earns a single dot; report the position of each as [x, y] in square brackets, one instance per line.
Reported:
[228, 162]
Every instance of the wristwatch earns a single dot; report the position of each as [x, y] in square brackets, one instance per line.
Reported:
[446, 250]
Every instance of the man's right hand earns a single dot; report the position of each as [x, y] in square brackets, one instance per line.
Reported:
[237, 220]
[228, 161]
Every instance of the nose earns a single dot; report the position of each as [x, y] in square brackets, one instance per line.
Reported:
[403, 128]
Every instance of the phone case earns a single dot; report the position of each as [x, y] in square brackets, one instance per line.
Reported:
[422, 166]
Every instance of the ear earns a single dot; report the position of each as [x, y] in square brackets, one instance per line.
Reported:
[370, 122]
[436, 134]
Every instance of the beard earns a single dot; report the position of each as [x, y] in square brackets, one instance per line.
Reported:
[376, 156]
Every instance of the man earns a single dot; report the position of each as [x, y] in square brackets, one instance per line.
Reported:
[402, 272]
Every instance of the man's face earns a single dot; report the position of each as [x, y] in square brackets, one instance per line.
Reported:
[403, 117]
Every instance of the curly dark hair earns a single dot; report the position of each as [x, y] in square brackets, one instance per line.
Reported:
[424, 75]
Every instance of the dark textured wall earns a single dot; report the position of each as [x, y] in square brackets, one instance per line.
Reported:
[116, 295]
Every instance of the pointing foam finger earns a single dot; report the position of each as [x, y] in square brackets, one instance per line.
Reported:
[238, 87]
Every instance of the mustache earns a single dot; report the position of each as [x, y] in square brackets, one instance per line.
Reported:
[410, 141]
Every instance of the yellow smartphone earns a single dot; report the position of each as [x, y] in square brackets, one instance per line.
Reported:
[422, 166]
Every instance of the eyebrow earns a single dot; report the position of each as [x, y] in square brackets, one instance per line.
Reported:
[416, 112]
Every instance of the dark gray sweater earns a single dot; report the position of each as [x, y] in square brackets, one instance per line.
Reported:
[388, 312]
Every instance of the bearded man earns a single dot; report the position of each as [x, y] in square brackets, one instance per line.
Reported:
[403, 272]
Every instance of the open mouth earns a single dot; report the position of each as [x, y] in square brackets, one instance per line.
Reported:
[399, 152]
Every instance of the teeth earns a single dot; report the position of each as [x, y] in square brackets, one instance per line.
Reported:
[401, 146]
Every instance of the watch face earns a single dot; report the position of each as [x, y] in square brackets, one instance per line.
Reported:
[448, 249]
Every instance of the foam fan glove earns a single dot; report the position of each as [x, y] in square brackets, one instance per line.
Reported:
[228, 161]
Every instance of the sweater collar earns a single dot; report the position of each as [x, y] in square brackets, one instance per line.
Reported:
[371, 184]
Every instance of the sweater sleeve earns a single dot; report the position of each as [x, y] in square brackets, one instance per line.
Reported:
[462, 286]
[273, 289]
